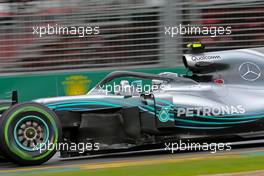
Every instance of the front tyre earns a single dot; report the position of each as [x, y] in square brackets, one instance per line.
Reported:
[29, 133]
[4, 106]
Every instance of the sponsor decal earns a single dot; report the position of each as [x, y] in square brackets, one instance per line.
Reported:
[76, 85]
[249, 71]
[205, 58]
[164, 114]
[208, 111]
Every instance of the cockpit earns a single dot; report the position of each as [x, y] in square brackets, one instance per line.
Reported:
[126, 83]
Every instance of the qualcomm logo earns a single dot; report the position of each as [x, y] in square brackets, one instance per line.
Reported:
[249, 71]
[205, 58]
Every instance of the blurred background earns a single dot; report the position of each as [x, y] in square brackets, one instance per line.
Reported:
[131, 36]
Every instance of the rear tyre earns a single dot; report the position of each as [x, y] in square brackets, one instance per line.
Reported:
[29, 133]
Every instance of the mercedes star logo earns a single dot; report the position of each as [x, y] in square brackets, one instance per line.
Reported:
[249, 71]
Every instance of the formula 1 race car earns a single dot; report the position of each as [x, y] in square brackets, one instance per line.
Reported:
[221, 95]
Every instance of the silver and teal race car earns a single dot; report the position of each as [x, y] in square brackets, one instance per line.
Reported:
[221, 95]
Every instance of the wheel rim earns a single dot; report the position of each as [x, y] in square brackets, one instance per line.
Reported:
[31, 133]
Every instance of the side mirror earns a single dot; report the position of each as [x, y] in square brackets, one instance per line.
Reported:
[149, 99]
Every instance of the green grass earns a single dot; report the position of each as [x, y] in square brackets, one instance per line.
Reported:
[184, 168]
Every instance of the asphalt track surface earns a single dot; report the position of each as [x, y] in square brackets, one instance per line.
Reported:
[56, 164]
